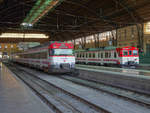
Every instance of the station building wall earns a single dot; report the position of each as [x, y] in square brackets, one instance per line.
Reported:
[7, 48]
[128, 36]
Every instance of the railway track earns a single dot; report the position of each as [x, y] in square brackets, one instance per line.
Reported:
[121, 93]
[130, 95]
[57, 99]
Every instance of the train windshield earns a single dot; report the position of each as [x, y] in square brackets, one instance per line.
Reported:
[62, 52]
[135, 52]
[125, 53]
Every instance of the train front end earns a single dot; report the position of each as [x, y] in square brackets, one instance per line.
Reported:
[61, 58]
[128, 56]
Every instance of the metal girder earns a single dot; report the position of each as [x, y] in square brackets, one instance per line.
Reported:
[103, 18]
[130, 10]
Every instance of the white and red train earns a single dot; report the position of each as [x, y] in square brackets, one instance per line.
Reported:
[54, 57]
[125, 56]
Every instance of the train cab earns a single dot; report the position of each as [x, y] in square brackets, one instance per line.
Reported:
[61, 56]
[128, 55]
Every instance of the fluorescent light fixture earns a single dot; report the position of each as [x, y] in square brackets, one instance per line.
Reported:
[22, 35]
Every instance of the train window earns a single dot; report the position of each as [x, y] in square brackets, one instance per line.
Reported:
[106, 55]
[125, 53]
[77, 55]
[89, 55]
[130, 52]
[80, 55]
[83, 55]
[93, 55]
[135, 52]
[102, 55]
[86, 55]
[99, 55]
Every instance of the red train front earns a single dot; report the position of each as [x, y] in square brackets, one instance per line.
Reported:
[61, 57]
[128, 55]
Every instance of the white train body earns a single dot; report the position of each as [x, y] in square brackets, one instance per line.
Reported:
[51, 57]
[118, 56]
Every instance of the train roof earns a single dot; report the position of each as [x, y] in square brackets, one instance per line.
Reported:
[106, 48]
[39, 46]
[97, 49]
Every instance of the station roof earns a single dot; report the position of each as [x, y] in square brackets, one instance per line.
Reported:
[70, 19]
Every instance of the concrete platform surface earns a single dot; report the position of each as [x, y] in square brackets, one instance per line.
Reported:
[115, 70]
[16, 97]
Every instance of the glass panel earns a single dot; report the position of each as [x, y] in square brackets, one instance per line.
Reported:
[130, 52]
[106, 55]
[101, 55]
[93, 55]
[89, 55]
[125, 53]
[83, 55]
[86, 55]
[62, 52]
[135, 52]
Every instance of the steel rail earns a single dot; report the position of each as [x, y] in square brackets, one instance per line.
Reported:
[97, 108]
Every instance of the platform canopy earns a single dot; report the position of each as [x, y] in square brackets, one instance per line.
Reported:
[70, 19]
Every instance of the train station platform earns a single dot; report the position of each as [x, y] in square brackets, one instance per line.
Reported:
[16, 97]
[133, 79]
[124, 71]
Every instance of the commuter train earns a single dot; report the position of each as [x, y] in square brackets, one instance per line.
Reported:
[54, 57]
[125, 56]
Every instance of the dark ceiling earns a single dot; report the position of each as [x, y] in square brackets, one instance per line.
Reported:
[76, 18]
